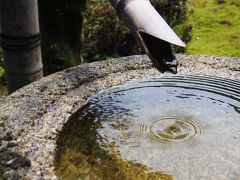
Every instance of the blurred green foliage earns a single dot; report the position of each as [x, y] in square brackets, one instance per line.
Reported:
[2, 71]
[2, 76]
[61, 28]
[3, 90]
[59, 57]
[216, 27]
[106, 36]
[175, 13]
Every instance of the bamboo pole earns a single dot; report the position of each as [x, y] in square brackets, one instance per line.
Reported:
[20, 40]
[151, 31]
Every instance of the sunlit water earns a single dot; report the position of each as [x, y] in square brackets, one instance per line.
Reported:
[180, 127]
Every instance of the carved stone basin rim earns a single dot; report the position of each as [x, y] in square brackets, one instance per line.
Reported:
[31, 118]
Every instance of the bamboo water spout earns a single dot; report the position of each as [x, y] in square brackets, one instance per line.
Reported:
[151, 31]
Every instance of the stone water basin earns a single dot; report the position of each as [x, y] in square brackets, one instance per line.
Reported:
[34, 120]
[181, 127]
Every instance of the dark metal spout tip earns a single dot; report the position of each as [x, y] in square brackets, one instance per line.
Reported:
[172, 66]
[173, 70]
[167, 66]
[160, 52]
[151, 31]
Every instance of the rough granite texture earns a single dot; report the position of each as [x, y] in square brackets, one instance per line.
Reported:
[32, 117]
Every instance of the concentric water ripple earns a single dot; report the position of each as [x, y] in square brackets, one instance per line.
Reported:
[173, 129]
[184, 126]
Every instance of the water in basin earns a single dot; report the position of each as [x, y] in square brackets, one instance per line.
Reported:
[167, 128]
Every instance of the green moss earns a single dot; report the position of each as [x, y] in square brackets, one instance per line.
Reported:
[216, 27]
[82, 155]
[74, 165]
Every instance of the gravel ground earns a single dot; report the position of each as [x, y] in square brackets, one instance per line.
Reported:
[31, 118]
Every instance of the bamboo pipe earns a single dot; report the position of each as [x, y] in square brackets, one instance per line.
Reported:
[151, 31]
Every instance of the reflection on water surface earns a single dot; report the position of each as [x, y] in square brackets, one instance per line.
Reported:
[173, 127]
